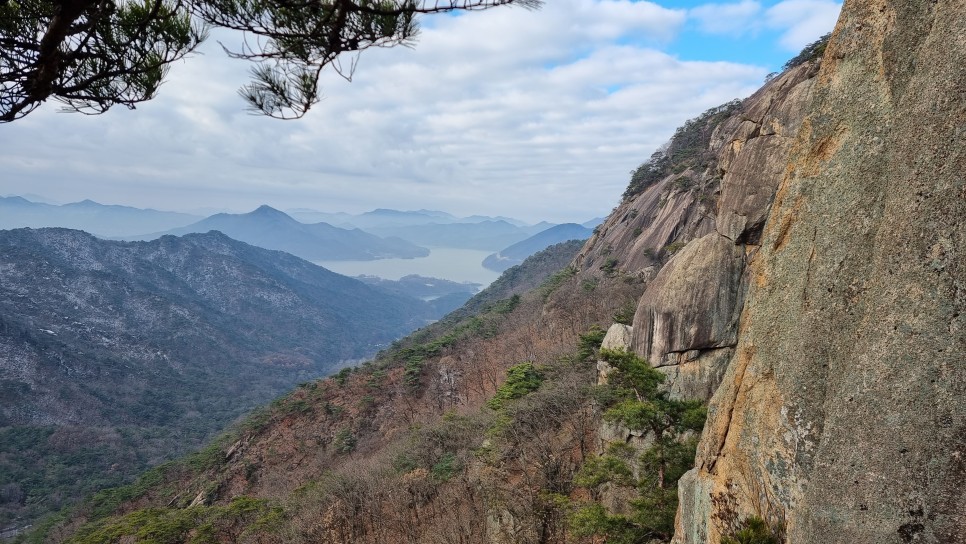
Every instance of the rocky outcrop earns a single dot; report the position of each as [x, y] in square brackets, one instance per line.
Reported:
[618, 337]
[692, 304]
[691, 235]
[752, 149]
[841, 416]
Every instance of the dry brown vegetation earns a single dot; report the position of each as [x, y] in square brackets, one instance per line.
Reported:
[402, 449]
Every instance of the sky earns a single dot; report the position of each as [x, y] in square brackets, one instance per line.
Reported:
[537, 115]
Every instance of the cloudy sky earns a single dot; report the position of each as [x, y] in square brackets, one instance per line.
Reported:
[538, 115]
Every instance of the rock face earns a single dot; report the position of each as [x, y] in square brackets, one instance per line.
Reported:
[618, 337]
[841, 417]
[692, 234]
[693, 302]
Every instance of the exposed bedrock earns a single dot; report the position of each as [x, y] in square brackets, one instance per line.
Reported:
[842, 416]
[686, 323]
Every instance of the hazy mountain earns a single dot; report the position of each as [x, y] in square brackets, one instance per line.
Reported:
[486, 235]
[382, 217]
[537, 228]
[100, 219]
[432, 227]
[385, 218]
[115, 355]
[482, 218]
[33, 197]
[593, 222]
[519, 251]
[272, 229]
[306, 215]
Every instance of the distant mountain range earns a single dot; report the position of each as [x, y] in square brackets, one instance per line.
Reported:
[485, 235]
[128, 352]
[272, 229]
[381, 218]
[310, 234]
[518, 252]
[99, 219]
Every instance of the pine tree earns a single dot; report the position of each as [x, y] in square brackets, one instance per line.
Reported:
[93, 54]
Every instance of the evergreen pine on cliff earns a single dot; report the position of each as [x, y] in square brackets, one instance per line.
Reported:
[91, 55]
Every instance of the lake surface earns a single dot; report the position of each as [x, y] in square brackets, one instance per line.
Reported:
[442, 262]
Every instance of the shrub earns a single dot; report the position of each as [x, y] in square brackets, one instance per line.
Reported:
[625, 314]
[342, 376]
[553, 282]
[589, 342]
[345, 441]
[520, 380]
[610, 266]
[754, 530]
[811, 51]
[673, 248]
[445, 468]
[506, 306]
[633, 399]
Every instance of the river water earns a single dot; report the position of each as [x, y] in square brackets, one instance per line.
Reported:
[442, 262]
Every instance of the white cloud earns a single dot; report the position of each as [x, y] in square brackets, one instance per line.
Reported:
[730, 19]
[538, 115]
[797, 22]
[802, 21]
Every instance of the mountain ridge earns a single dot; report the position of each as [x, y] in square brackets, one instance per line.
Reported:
[134, 351]
[273, 229]
[518, 252]
[106, 220]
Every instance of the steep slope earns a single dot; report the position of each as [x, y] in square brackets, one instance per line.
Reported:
[842, 417]
[528, 275]
[116, 353]
[689, 227]
[515, 254]
[269, 228]
[354, 457]
[416, 439]
[416, 420]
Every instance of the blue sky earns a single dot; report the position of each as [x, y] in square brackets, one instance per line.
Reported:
[537, 115]
[765, 33]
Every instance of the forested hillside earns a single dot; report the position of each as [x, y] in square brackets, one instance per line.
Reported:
[115, 355]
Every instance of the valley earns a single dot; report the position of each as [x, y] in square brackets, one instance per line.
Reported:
[763, 343]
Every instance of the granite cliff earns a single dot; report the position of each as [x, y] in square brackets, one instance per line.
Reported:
[841, 417]
[691, 233]
[833, 317]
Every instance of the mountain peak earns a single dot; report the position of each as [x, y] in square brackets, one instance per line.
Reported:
[86, 203]
[265, 209]
[14, 199]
